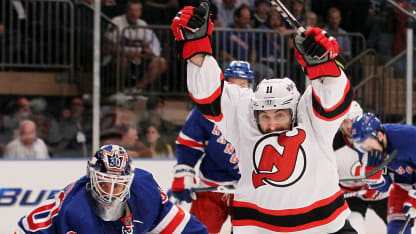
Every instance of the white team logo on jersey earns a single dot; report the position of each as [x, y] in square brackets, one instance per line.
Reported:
[279, 159]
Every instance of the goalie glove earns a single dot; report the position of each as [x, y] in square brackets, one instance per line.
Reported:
[409, 206]
[183, 182]
[316, 53]
[192, 27]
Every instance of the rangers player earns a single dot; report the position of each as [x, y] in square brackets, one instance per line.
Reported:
[289, 179]
[369, 135]
[201, 138]
[359, 196]
[114, 197]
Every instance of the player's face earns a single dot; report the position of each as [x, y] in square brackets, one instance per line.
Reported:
[274, 120]
[371, 143]
[117, 190]
[241, 82]
[346, 126]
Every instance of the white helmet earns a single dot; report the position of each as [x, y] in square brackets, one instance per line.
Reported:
[354, 111]
[276, 93]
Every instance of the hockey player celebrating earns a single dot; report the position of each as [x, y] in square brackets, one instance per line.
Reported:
[348, 161]
[113, 197]
[289, 179]
[201, 138]
[369, 135]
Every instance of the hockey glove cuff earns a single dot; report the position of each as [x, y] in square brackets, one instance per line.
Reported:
[183, 182]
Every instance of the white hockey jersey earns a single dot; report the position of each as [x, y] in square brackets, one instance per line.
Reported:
[349, 165]
[289, 180]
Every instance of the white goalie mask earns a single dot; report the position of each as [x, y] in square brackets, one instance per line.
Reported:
[111, 173]
[276, 94]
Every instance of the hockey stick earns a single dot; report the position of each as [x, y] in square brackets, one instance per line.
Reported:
[280, 7]
[405, 224]
[373, 172]
[218, 189]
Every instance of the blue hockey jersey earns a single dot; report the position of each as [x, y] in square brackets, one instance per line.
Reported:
[70, 212]
[402, 169]
[200, 136]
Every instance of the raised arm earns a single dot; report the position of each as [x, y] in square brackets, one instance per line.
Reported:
[330, 95]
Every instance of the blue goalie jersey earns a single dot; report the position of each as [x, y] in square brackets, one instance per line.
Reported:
[70, 212]
[200, 136]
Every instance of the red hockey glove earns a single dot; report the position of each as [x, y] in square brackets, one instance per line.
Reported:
[409, 206]
[317, 53]
[374, 158]
[192, 27]
[183, 182]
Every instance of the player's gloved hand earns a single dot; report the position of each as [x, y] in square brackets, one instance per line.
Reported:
[409, 206]
[183, 182]
[372, 195]
[374, 159]
[192, 27]
[316, 53]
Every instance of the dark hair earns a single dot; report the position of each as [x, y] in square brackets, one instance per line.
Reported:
[153, 101]
[132, 2]
[237, 12]
[258, 2]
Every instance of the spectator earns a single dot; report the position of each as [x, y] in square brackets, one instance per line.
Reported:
[260, 13]
[379, 27]
[141, 48]
[297, 8]
[153, 115]
[240, 45]
[130, 141]
[160, 11]
[270, 43]
[47, 126]
[21, 112]
[226, 12]
[26, 145]
[311, 19]
[76, 130]
[158, 148]
[333, 27]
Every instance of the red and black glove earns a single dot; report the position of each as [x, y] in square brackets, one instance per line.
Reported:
[192, 27]
[316, 53]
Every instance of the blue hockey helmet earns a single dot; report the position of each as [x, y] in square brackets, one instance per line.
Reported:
[111, 173]
[239, 70]
[363, 127]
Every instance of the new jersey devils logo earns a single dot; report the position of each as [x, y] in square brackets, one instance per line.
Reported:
[279, 159]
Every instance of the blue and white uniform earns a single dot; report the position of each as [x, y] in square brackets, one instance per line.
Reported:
[71, 212]
[201, 138]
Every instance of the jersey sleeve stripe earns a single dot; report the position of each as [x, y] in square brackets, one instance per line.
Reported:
[175, 222]
[213, 96]
[189, 143]
[214, 118]
[290, 220]
[338, 109]
[211, 109]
